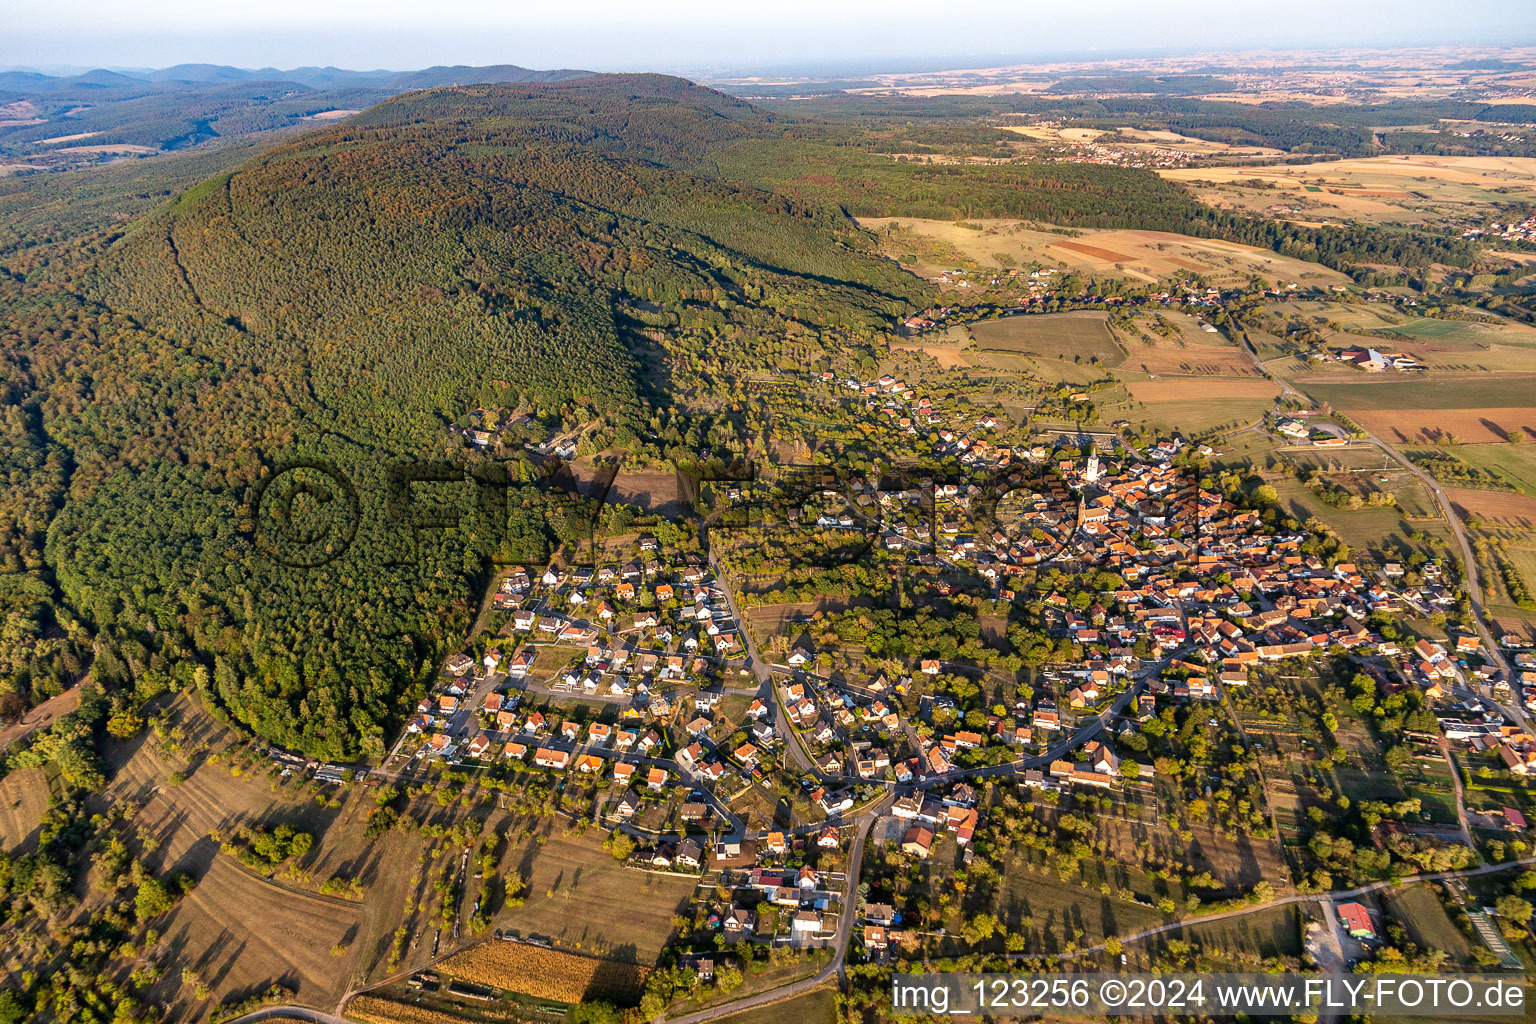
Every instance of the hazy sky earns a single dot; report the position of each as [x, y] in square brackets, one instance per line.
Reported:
[695, 35]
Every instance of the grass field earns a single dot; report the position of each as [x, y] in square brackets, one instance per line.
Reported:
[1421, 913]
[1349, 316]
[1051, 912]
[815, 1007]
[1474, 332]
[1383, 392]
[239, 931]
[1196, 406]
[1262, 935]
[1082, 336]
[1359, 528]
[1516, 462]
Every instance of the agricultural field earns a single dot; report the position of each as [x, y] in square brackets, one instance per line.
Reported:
[23, 801]
[1194, 406]
[1147, 256]
[239, 932]
[1372, 190]
[1078, 336]
[1486, 425]
[573, 886]
[1439, 408]
[1498, 509]
[1368, 392]
[546, 973]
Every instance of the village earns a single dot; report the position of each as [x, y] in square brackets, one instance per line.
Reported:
[765, 772]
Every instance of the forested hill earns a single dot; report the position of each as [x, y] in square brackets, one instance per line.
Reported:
[653, 117]
[344, 299]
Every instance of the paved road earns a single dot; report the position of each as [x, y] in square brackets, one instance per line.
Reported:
[759, 667]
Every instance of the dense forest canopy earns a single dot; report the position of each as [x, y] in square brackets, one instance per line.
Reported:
[344, 299]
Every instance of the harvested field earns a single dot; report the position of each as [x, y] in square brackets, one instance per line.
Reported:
[1396, 189]
[1078, 335]
[23, 800]
[573, 886]
[1495, 508]
[546, 973]
[241, 932]
[1430, 426]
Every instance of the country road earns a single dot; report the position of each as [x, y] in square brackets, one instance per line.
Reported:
[290, 1013]
[46, 713]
